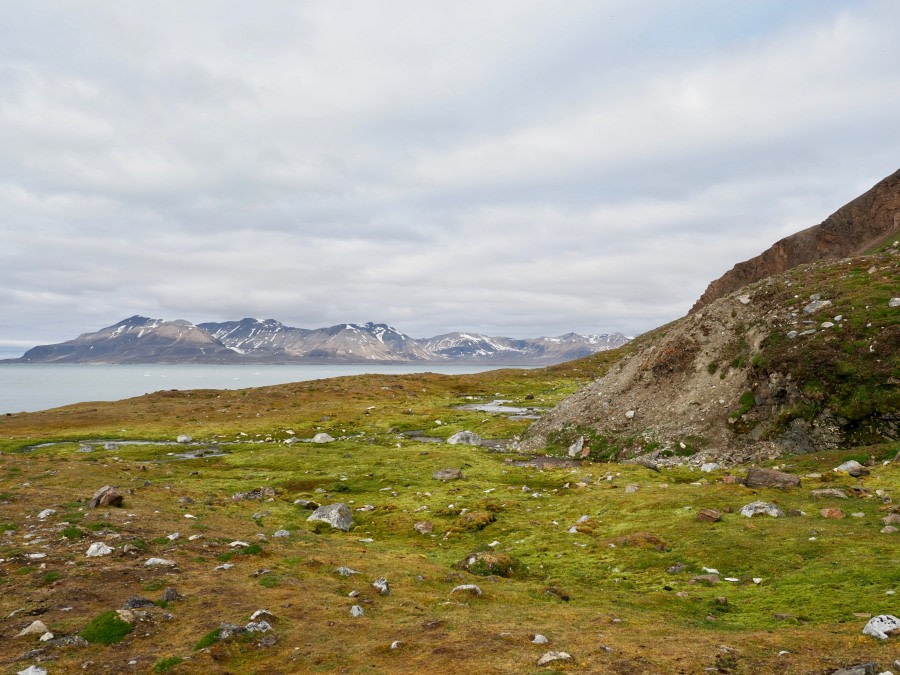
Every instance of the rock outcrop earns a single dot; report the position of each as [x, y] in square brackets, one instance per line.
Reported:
[851, 230]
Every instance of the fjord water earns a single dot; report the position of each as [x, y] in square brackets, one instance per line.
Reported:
[27, 388]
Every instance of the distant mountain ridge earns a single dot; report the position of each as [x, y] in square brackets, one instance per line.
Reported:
[143, 340]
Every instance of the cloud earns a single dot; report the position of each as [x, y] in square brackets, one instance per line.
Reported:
[525, 168]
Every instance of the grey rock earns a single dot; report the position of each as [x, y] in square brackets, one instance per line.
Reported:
[183, 438]
[336, 515]
[322, 438]
[356, 611]
[281, 534]
[229, 630]
[894, 302]
[448, 474]
[170, 595]
[106, 496]
[110, 446]
[258, 627]
[829, 492]
[553, 657]
[256, 494]
[424, 527]
[575, 449]
[709, 467]
[307, 504]
[465, 438]
[346, 571]
[882, 626]
[538, 639]
[159, 562]
[32, 670]
[136, 602]
[471, 589]
[36, 628]
[98, 549]
[761, 508]
[68, 641]
[816, 305]
[757, 477]
[853, 468]
[859, 669]
[263, 615]
[381, 585]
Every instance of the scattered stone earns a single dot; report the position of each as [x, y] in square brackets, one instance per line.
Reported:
[552, 657]
[894, 302]
[465, 438]
[889, 529]
[256, 494]
[816, 305]
[770, 478]
[322, 438]
[575, 449]
[336, 515]
[159, 562]
[677, 568]
[708, 579]
[106, 496]
[629, 414]
[258, 627]
[229, 630]
[396, 644]
[471, 589]
[645, 462]
[631, 489]
[761, 508]
[381, 585]
[490, 563]
[136, 602]
[448, 474]
[346, 571]
[307, 504]
[183, 438]
[424, 527]
[709, 467]
[882, 626]
[185, 500]
[32, 670]
[538, 639]
[891, 519]
[224, 567]
[832, 513]
[170, 595]
[858, 514]
[829, 492]
[281, 534]
[859, 669]
[709, 515]
[46, 513]
[356, 611]
[744, 299]
[36, 628]
[263, 615]
[238, 544]
[853, 467]
[97, 549]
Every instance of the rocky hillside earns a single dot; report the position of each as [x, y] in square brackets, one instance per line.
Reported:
[852, 230]
[142, 340]
[803, 361]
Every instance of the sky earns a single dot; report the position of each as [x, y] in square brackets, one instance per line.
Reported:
[509, 167]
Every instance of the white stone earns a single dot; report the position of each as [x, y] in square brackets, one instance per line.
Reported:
[759, 507]
[238, 544]
[464, 438]
[183, 438]
[709, 467]
[879, 626]
[629, 414]
[159, 562]
[32, 670]
[46, 513]
[356, 611]
[894, 302]
[322, 438]
[539, 639]
[97, 549]
[36, 627]
[550, 657]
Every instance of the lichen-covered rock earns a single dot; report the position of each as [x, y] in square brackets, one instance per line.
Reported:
[882, 626]
[553, 657]
[336, 515]
[770, 478]
[322, 438]
[448, 474]
[106, 496]
[487, 563]
[465, 438]
[471, 589]
[761, 508]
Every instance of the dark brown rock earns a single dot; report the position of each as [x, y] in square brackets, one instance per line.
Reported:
[832, 513]
[709, 515]
[770, 478]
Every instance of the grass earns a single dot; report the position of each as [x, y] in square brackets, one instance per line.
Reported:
[166, 664]
[613, 570]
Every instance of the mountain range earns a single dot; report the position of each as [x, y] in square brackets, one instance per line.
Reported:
[143, 340]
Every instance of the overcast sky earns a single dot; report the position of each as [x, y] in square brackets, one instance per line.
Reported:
[510, 167]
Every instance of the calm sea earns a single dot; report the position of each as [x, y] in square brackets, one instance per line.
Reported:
[26, 388]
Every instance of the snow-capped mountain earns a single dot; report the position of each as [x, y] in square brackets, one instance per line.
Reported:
[142, 340]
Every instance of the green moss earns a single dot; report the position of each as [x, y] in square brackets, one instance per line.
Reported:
[208, 640]
[167, 663]
[72, 532]
[106, 629]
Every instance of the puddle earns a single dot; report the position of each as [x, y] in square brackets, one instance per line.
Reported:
[498, 406]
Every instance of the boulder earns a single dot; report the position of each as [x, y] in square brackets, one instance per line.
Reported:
[487, 563]
[256, 494]
[854, 468]
[356, 611]
[159, 562]
[36, 628]
[761, 508]
[336, 515]
[471, 589]
[465, 438]
[136, 602]
[33, 670]
[553, 657]
[882, 626]
[424, 527]
[170, 595]
[322, 438]
[97, 549]
[709, 467]
[891, 519]
[832, 513]
[770, 478]
[709, 515]
[183, 438]
[448, 474]
[575, 449]
[859, 669]
[381, 585]
[829, 492]
[106, 496]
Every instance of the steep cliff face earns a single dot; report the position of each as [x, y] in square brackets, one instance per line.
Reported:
[851, 230]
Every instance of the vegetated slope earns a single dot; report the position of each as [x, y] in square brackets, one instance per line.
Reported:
[852, 230]
[808, 360]
[142, 340]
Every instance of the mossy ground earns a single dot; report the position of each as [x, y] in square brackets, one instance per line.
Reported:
[623, 613]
